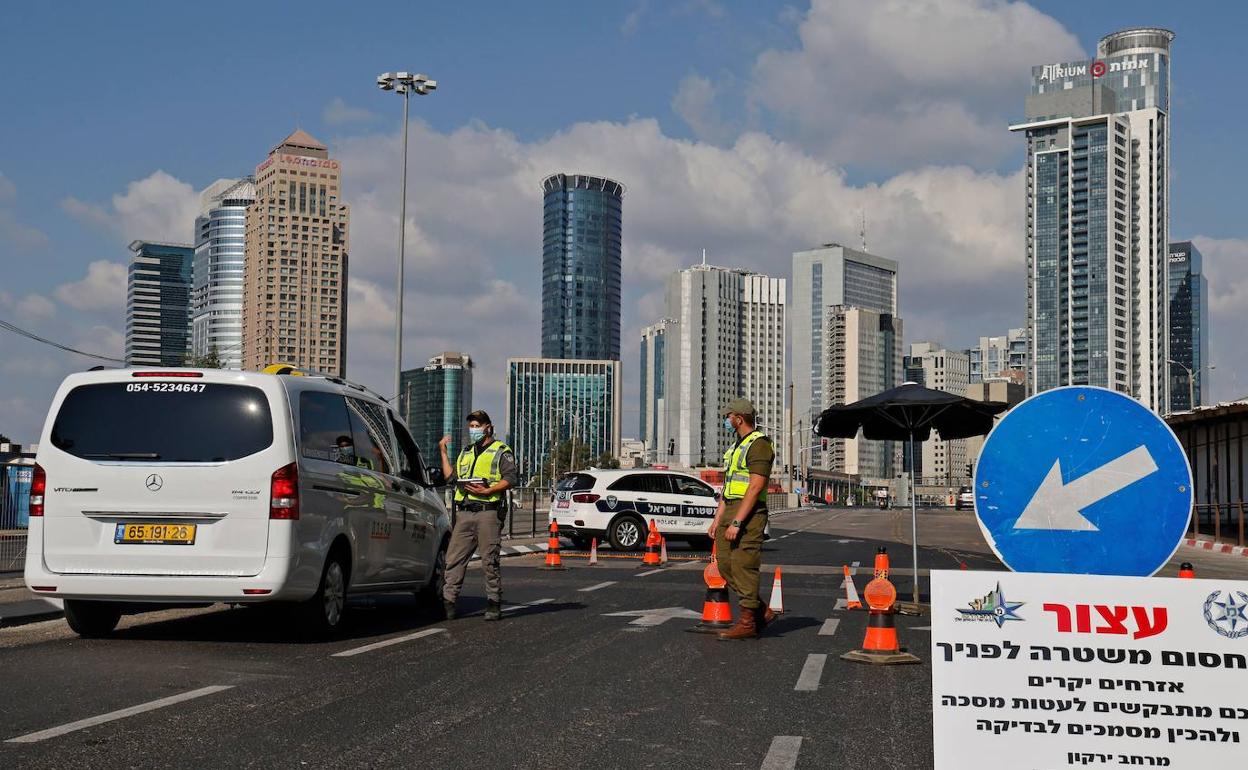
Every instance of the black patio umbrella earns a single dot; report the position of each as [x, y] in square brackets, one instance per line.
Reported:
[909, 412]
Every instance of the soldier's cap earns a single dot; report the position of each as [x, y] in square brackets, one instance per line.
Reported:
[741, 406]
[481, 417]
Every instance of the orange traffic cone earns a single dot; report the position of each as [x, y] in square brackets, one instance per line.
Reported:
[776, 603]
[593, 553]
[553, 560]
[662, 550]
[852, 602]
[1186, 571]
[651, 559]
[881, 646]
[716, 609]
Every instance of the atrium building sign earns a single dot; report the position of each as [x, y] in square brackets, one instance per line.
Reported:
[1097, 68]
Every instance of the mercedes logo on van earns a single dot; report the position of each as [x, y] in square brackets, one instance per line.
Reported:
[155, 482]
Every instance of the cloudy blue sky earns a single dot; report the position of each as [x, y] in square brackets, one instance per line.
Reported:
[751, 129]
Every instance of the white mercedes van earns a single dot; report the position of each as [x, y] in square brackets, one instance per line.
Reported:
[177, 486]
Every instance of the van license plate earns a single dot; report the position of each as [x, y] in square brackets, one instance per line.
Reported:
[155, 534]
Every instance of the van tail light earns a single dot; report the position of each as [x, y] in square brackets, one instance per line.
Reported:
[284, 493]
[38, 487]
[585, 498]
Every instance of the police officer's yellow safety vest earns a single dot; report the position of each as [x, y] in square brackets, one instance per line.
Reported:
[736, 474]
[486, 466]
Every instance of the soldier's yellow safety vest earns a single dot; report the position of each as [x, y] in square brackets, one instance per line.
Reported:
[484, 466]
[736, 474]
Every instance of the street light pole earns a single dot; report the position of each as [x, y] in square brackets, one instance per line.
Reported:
[404, 83]
[1191, 388]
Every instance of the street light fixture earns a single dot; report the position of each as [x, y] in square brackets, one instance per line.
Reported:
[404, 83]
[1191, 388]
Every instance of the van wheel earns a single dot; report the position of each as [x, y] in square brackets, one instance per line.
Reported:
[431, 594]
[92, 619]
[626, 533]
[321, 615]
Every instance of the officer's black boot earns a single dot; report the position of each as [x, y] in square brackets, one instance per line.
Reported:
[493, 610]
[448, 608]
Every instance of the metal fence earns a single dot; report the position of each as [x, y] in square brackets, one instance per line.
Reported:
[12, 551]
[1223, 522]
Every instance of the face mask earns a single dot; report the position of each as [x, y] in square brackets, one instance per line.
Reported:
[476, 434]
[729, 426]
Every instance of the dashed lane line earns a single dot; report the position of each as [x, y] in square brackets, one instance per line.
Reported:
[82, 724]
[387, 643]
[514, 607]
[650, 572]
[840, 605]
[812, 672]
[587, 589]
[783, 753]
[829, 627]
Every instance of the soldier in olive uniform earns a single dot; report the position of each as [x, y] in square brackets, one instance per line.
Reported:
[742, 517]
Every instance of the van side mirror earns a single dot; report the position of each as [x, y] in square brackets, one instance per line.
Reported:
[434, 478]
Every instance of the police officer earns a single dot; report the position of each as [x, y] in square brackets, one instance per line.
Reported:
[742, 516]
[480, 507]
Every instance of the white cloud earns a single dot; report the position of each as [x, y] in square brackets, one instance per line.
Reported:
[695, 103]
[891, 83]
[22, 237]
[338, 112]
[103, 288]
[34, 307]
[158, 207]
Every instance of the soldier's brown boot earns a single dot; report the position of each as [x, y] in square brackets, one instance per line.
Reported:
[763, 617]
[746, 627]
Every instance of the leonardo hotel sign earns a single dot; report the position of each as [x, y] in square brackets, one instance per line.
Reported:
[298, 160]
[1052, 72]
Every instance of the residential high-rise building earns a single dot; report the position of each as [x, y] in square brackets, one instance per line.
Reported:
[158, 303]
[581, 266]
[1098, 170]
[295, 280]
[435, 401]
[994, 355]
[823, 278]
[725, 341]
[217, 274]
[550, 401]
[1189, 326]
[653, 384]
[863, 350]
[931, 365]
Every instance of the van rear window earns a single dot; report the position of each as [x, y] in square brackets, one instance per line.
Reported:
[163, 422]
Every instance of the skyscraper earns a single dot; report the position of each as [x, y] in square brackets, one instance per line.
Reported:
[726, 341]
[864, 355]
[550, 401]
[217, 275]
[932, 366]
[435, 401]
[1189, 326]
[653, 419]
[295, 297]
[581, 246]
[1098, 163]
[823, 278]
[158, 303]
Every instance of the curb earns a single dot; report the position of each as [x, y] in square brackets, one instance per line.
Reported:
[1215, 547]
[29, 611]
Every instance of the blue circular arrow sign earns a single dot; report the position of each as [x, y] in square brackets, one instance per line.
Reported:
[1083, 480]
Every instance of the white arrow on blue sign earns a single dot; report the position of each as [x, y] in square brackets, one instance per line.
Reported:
[1083, 480]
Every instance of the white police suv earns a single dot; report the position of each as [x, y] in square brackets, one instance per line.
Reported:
[617, 506]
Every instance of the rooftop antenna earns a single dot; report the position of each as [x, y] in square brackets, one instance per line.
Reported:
[703, 257]
[862, 229]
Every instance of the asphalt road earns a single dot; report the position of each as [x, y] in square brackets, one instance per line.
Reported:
[561, 682]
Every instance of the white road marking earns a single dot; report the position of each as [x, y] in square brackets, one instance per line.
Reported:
[651, 572]
[511, 607]
[387, 642]
[82, 724]
[855, 564]
[543, 546]
[783, 753]
[840, 604]
[522, 548]
[812, 672]
[829, 627]
[921, 628]
[587, 589]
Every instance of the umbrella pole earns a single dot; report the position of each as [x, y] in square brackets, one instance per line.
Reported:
[914, 523]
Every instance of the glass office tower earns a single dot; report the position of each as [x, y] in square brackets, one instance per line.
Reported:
[1098, 150]
[581, 242]
[217, 274]
[1189, 326]
[435, 401]
[158, 304]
